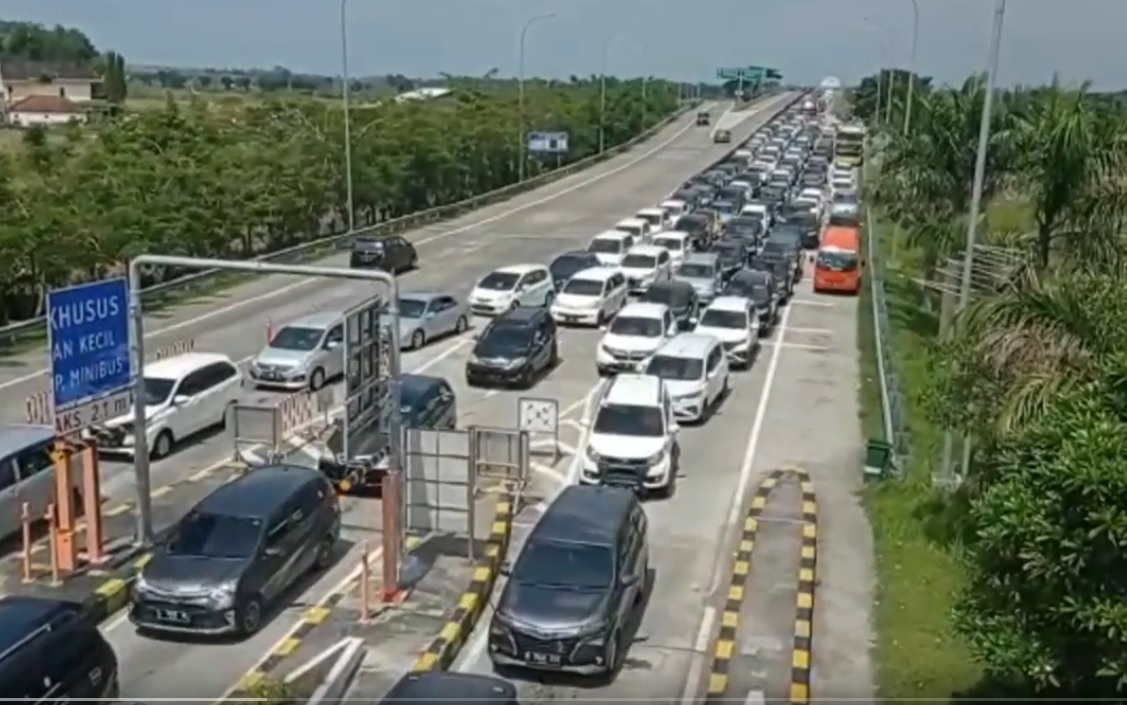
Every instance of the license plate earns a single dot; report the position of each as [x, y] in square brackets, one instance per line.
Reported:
[271, 375]
[175, 616]
[571, 319]
[546, 659]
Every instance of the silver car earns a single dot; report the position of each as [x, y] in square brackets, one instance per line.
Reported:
[426, 316]
[703, 272]
[303, 354]
[27, 475]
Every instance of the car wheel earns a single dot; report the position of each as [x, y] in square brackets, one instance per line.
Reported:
[250, 617]
[324, 553]
[418, 340]
[316, 380]
[461, 326]
[162, 446]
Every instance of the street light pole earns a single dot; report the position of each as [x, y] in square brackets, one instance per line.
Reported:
[347, 122]
[885, 59]
[520, 83]
[603, 94]
[912, 65]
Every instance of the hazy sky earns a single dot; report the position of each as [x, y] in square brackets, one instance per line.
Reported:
[684, 39]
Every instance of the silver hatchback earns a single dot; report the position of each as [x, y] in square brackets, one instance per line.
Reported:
[703, 272]
[303, 354]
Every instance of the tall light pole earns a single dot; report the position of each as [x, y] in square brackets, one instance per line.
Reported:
[520, 83]
[603, 93]
[912, 64]
[347, 122]
[886, 57]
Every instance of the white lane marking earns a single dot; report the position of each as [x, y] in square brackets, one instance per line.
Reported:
[549, 471]
[797, 346]
[704, 638]
[811, 331]
[236, 305]
[754, 697]
[692, 682]
[810, 302]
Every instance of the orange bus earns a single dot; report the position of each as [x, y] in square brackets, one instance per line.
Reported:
[837, 267]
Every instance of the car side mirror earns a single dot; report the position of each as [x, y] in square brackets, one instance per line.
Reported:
[629, 580]
[180, 399]
[332, 345]
[273, 551]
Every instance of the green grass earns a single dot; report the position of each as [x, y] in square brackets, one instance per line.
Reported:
[918, 655]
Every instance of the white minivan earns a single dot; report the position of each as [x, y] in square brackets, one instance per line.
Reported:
[611, 246]
[696, 373]
[591, 297]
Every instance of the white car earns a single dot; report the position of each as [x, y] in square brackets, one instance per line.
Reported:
[758, 211]
[742, 153]
[657, 218]
[845, 205]
[735, 321]
[674, 208]
[645, 264]
[677, 244]
[634, 437]
[811, 193]
[636, 227]
[695, 370]
[509, 287]
[184, 395]
[610, 247]
[633, 336]
[591, 297]
[748, 190]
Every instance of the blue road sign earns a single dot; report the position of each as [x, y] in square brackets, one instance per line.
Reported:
[547, 142]
[88, 333]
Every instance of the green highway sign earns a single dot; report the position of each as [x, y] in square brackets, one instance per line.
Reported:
[751, 74]
[729, 74]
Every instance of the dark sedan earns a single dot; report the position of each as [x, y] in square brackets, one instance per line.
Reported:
[568, 264]
[391, 254]
[679, 296]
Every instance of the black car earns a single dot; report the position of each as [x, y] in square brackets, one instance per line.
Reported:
[786, 238]
[773, 195]
[698, 226]
[747, 228]
[219, 569]
[804, 224]
[51, 651]
[722, 137]
[515, 348]
[780, 269]
[758, 286]
[733, 194]
[687, 194]
[569, 263]
[389, 253]
[732, 254]
[703, 118]
[680, 297]
[576, 585]
[448, 687]
[425, 402]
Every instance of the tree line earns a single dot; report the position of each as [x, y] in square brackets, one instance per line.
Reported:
[200, 181]
[1032, 373]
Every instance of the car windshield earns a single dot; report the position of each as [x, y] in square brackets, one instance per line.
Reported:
[630, 420]
[727, 249]
[651, 218]
[203, 535]
[295, 338]
[670, 243]
[662, 294]
[715, 318]
[845, 199]
[756, 215]
[691, 223]
[695, 270]
[412, 308]
[629, 229]
[605, 245]
[637, 261]
[575, 566]
[503, 341]
[724, 207]
[499, 281]
[837, 261]
[157, 390]
[564, 267]
[675, 368]
[584, 287]
[636, 326]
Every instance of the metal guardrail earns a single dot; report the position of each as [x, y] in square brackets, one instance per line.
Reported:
[314, 248]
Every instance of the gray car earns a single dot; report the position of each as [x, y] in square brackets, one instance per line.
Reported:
[302, 354]
[425, 316]
[703, 272]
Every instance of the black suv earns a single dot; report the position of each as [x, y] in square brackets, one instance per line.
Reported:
[703, 118]
[571, 596]
[391, 254]
[237, 551]
[679, 296]
[51, 651]
[515, 348]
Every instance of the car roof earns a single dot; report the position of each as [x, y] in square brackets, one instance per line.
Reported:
[17, 437]
[448, 686]
[691, 345]
[317, 319]
[729, 303]
[585, 514]
[177, 366]
[644, 309]
[522, 315]
[257, 494]
[612, 234]
[672, 284]
[421, 295]
[646, 250]
[651, 210]
[702, 258]
[632, 222]
[671, 201]
[520, 268]
[633, 389]
[415, 384]
[21, 615]
[674, 234]
[595, 273]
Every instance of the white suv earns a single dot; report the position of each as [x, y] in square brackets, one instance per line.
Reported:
[735, 321]
[644, 265]
[591, 297]
[636, 332]
[695, 370]
[633, 440]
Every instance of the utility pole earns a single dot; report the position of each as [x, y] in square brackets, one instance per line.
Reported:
[347, 122]
[912, 65]
[520, 89]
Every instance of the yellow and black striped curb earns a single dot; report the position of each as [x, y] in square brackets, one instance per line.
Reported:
[114, 594]
[725, 648]
[444, 649]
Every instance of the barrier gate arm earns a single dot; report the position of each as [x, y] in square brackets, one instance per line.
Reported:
[137, 355]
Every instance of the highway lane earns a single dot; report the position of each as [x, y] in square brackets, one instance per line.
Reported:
[536, 234]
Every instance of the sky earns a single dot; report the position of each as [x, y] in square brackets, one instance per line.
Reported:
[678, 39]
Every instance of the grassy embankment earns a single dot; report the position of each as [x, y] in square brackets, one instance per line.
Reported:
[918, 655]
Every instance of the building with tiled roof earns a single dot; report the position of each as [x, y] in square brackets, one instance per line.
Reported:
[70, 85]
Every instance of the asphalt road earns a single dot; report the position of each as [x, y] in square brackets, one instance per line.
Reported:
[533, 227]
